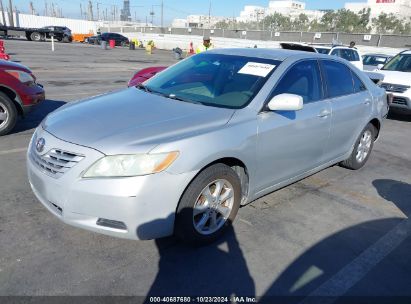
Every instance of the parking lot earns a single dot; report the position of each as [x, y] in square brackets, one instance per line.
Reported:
[338, 232]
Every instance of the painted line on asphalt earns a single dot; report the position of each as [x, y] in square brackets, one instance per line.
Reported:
[353, 272]
[5, 152]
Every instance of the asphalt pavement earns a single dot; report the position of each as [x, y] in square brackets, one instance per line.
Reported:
[336, 233]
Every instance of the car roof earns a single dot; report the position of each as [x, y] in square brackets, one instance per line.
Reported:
[408, 52]
[267, 53]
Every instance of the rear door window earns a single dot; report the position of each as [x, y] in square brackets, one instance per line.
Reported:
[338, 78]
[358, 84]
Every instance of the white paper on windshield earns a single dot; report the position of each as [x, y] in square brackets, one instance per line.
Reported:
[257, 69]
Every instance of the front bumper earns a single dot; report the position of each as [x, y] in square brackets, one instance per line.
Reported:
[32, 97]
[144, 206]
[401, 102]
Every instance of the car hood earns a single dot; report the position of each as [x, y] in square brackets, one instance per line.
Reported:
[395, 77]
[13, 65]
[131, 121]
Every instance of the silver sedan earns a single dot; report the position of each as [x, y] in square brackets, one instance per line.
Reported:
[183, 151]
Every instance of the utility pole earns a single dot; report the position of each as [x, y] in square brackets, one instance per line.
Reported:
[2, 12]
[53, 11]
[152, 15]
[209, 16]
[90, 10]
[162, 13]
[11, 13]
[81, 11]
[98, 11]
[45, 9]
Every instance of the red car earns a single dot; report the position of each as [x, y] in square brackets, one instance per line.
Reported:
[19, 92]
[144, 74]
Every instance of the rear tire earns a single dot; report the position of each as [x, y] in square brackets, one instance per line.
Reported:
[8, 114]
[362, 149]
[35, 36]
[209, 205]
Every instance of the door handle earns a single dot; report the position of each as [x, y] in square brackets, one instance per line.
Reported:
[324, 113]
[367, 102]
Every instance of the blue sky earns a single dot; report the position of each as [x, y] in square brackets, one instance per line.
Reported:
[173, 8]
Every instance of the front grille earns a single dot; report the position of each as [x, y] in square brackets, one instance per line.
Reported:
[399, 100]
[396, 88]
[56, 162]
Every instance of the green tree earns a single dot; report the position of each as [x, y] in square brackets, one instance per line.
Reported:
[388, 24]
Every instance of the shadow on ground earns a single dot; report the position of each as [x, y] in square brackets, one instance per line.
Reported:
[220, 269]
[34, 118]
[344, 265]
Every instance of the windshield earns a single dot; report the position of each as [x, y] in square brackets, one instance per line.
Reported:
[213, 79]
[374, 60]
[322, 50]
[400, 62]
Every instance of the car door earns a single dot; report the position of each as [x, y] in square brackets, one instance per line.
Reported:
[293, 142]
[350, 104]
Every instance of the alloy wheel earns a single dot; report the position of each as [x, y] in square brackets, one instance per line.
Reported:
[213, 206]
[364, 146]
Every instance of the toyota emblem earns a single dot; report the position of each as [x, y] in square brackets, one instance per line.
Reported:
[41, 142]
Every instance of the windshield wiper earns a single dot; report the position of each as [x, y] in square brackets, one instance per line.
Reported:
[143, 87]
[173, 96]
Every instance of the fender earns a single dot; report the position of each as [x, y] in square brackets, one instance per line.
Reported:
[17, 100]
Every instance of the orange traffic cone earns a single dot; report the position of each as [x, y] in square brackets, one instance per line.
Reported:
[190, 50]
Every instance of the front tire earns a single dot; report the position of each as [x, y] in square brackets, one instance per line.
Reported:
[362, 149]
[8, 114]
[209, 205]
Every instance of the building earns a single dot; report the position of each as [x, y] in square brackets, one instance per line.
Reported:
[290, 8]
[179, 23]
[400, 8]
[252, 13]
[125, 14]
[202, 21]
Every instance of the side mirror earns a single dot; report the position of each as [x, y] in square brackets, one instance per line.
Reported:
[286, 102]
[380, 66]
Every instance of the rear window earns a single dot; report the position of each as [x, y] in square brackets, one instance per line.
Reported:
[322, 50]
[347, 54]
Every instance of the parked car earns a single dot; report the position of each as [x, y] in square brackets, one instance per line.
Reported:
[371, 61]
[397, 81]
[120, 39]
[181, 152]
[350, 54]
[144, 74]
[61, 33]
[19, 92]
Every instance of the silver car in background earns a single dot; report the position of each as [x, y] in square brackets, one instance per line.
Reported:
[182, 152]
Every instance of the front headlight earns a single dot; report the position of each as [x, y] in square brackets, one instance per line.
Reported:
[23, 77]
[130, 165]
